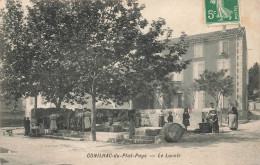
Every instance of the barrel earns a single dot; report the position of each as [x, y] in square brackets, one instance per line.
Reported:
[233, 123]
[172, 132]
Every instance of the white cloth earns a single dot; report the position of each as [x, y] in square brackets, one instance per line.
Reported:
[53, 125]
[87, 122]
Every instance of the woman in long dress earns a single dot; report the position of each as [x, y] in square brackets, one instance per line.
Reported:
[233, 119]
[213, 119]
[53, 124]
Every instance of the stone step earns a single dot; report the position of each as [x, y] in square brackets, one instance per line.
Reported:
[138, 141]
[144, 137]
[155, 139]
[148, 131]
[57, 134]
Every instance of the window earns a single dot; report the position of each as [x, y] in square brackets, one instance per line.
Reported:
[179, 101]
[178, 76]
[223, 64]
[198, 68]
[223, 47]
[199, 100]
[198, 50]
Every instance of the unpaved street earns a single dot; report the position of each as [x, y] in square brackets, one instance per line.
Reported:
[239, 147]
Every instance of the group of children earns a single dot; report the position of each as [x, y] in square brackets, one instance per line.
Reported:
[185, 118]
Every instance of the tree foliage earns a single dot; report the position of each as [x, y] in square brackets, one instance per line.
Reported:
[101, 49]
[253, 86]
[49, 43]
[14, 64]
[216, 84]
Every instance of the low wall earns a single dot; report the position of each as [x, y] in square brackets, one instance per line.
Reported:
[254, 106]
[11, 118]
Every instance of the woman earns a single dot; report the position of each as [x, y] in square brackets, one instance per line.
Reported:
[213, 118]
[161, 119]
[233, 119]
[185, 118]
[53, 125]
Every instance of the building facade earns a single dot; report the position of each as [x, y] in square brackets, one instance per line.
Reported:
[226, 49]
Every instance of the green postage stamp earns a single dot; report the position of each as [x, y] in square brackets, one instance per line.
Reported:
[221, 11]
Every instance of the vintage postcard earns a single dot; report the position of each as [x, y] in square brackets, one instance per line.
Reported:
[128, 82]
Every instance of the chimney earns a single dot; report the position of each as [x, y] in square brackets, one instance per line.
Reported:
[224, 28]
[239, 26]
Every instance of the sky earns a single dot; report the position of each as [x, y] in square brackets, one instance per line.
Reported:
[188, 16]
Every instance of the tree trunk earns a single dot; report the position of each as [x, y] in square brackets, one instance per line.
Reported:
[131, 123]
[131, 120]
[82, 123]
[58, 103]
[93, 117]
[35, 101]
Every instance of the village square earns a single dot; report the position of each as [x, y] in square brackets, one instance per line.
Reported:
[113, 82]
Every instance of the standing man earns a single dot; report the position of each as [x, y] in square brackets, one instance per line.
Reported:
[25, 126]
[213, 118]
[28, 122]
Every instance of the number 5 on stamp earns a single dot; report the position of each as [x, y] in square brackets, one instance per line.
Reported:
[221, 11]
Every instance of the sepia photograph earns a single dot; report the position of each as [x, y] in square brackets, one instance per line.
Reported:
[129, 82]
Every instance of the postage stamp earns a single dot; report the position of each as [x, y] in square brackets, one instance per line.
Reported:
[221, 11]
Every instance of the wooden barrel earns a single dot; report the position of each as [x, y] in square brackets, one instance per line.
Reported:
[233, 123]
[172, 132]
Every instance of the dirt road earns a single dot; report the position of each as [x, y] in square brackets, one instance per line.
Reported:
[241, 147]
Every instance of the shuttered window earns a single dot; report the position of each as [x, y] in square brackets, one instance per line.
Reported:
[198, 50]
[224, 64]
[223, 47]
[198, 68]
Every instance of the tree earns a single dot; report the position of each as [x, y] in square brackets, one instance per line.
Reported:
[14, 64]
[216, 84]
[116, 59]
[49, 44]
[33, 52]
[253, 86]
[99, 49]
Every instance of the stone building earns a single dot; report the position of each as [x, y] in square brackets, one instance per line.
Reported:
[226, 49]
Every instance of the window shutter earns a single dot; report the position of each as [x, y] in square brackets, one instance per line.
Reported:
[201, 50]
[227, 66]
[195, 71]
[225, 47]
[220, 47]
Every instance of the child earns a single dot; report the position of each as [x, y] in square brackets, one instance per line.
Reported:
[170, 117]
[185, 118]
